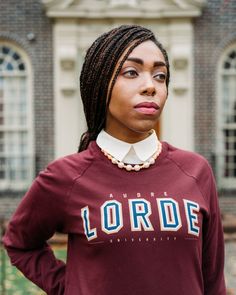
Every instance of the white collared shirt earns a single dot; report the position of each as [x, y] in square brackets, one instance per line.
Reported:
[135, 153]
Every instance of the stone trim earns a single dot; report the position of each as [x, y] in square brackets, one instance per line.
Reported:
[148, 9]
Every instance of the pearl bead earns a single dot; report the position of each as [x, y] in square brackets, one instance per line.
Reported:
[121, 165]
[146, 165]
[151, 161]
[128, 167]
[114, 161]
[137, 167]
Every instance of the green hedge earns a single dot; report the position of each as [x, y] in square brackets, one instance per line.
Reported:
[14, 281]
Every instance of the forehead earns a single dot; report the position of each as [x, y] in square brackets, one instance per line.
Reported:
[147, 50]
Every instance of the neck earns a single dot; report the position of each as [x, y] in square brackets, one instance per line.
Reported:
[132, 137]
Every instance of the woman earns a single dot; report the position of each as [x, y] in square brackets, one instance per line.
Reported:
[142, 216]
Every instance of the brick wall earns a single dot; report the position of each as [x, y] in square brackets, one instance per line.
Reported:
[214, 31]
[17, 20]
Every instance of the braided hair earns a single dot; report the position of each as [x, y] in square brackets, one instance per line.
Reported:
[98, 68]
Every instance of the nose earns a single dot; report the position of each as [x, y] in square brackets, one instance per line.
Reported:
[148, 87]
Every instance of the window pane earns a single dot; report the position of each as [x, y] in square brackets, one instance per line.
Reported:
[227, 65]
[15, 101]
[23, 174]
[15, 56]
[2, 174]
[9, 67]
[232, 55]
[12, 174]
[230, 153]
[21, 67]
[5, 50]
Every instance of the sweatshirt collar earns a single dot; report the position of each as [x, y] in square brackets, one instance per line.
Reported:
[121, 150]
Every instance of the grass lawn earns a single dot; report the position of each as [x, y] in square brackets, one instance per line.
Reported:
[15, 282]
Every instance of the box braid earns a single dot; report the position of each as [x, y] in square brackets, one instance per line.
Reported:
[98, 68]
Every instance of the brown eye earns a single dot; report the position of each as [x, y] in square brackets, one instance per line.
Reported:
[160, 77]
[130, 74]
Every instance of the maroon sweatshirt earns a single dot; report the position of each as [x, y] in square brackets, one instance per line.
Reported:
[155, 232]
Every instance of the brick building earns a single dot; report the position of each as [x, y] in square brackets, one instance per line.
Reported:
[215, 94]
[26, 97]
[42, 45]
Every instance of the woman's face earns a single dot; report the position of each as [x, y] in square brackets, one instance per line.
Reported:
[139, 94]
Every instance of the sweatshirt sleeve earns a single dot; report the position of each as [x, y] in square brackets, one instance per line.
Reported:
[40, 213]
[213, 244]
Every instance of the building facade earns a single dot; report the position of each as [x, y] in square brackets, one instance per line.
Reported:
[26, 98]
[42, 46]
[215, 90]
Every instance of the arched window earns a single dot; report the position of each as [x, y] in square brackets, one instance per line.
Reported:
[227, 120]
[16, 134]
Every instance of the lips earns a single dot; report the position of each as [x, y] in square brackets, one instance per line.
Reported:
[148, 105]
[148, 108]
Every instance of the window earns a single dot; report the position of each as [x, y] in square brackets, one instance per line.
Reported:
[227, 120]
[16, 142]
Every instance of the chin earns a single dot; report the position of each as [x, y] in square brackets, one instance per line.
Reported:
[143, 129]
[146, 126]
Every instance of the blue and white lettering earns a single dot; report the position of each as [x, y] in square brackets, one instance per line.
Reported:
[169, 214]
[192, 217]
[90, 233]
[140, 210]
[111, 217]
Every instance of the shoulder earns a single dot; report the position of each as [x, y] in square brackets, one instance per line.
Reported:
[67, 168]
[197, 167]
[191, 163]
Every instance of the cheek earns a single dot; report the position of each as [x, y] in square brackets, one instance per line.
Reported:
[119, 98]
[163, 94]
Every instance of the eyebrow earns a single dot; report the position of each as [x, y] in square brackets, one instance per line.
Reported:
[141, 62]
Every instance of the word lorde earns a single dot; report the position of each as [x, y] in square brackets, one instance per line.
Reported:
[139, 212]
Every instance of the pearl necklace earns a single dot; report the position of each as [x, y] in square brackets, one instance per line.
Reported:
[136, 167]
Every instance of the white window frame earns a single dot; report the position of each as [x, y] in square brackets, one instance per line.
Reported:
[20, 185]
[223, 182]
